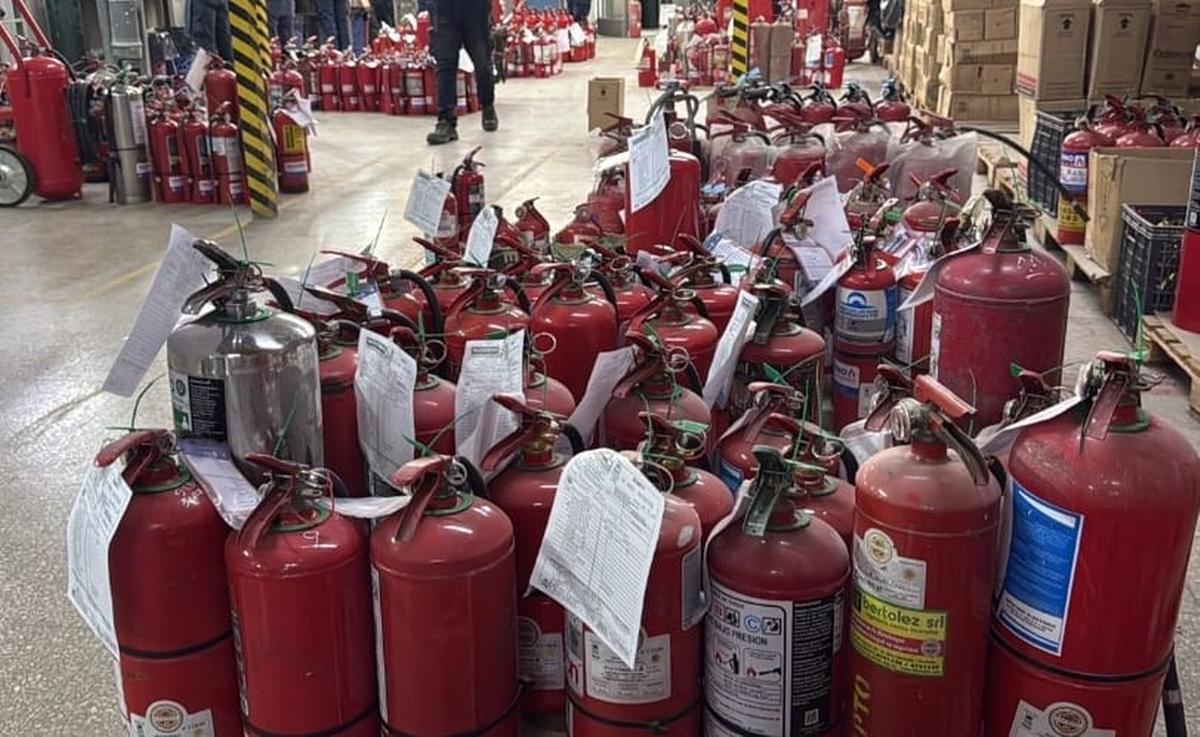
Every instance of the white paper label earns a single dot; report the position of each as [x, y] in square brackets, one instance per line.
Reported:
[383, 388]
[882, 572]
[610, 680]
[1062, 719]
[98, 509]
[599, 543]
[481, 237]
[829, 228]
[995, 440]
[831, 278]
[904, 331]
[489, 367]
[607, 372]
[426, 197]
[746, 215]
[649, 163]
[925, 288]
[223, 482]
[198, 71]
[380, 661]
[180, 273]
[137, 119]
[729, 347]
[563, 36]
[366, 507]
[541, 655]
[170, 719]
[935, 344]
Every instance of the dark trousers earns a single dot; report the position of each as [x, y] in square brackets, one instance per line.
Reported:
[208, 25]
[580, 9]
[462, 24]
[282, 26]
[384, 11]
[333, 16]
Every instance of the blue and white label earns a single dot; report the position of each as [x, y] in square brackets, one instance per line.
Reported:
[1073, 171]
[1040, 571]
[866, 316]
[731, 475]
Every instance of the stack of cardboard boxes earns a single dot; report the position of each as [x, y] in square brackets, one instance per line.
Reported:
[957, 57]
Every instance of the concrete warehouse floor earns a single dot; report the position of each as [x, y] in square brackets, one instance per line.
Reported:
[77, 274]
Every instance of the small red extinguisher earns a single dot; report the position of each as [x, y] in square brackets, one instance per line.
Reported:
[291, 148]
[170, 179]
[170, 600]
[226, 149]
[299, 586]
[195, 145]
[445, 588]
[467, 185]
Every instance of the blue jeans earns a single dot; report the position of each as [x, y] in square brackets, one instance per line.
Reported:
[281, 17]
[580, 9]
[208, 25]
[462, 24]
[333, 17]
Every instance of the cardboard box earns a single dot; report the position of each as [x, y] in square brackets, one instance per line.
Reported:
[957, 5]
[1000, 24]
[965, 25]
[760, 46]
[1027, 109]
[981, 79]
[1174, 34]
[779, 69]
[1134, 176]
[1052, 48]
[962, 106]
[606, 95]
[1119, 31]
[978, 52]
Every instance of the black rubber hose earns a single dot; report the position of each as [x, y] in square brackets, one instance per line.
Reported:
[435, 308]
[606, 287]
[519, 292]
[1082, 213]
[474, 478]
[1172, 700]
[574, 438]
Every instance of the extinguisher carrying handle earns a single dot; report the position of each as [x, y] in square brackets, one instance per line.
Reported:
[431, 301]
[1108, 379]
[441, 252]
[669, 439]
[891, 385]
[532, 424]
[426, 477]
[145, 448]
[770, 485]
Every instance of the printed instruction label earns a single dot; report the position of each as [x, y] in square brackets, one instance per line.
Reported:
[908, 641]
[541, 656]
[770, 664]
[1040, 570]
[882, 572]
[905, 327]
[847, 382]
[98, 509]
[170, 719]
[935, 344]
[694, 604]
[608, 679]
[198, 404]
[866, 315]
[1062, 719]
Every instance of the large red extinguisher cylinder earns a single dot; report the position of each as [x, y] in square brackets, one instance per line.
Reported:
[1104, 507]
[414, 90]
[926, 525]
[582, 324]
[779, 346]
[37, 93]
[446, 597]
[525, 492]
[328, 76]
[533, 226]
[777, 600]
[674, 212]
[170, 179]
[674, 447]
[711, 281]
[865, 309]
[1000, 304]
[226, 150]
[480, 312]
[291, 151]
[658, 383]
[468, 187]
[298, 573]
[220, 89]
[337, 343]
[368, 83]
[347, 80]
[433, 396]
[662, 693]
[854, 385]
[891, 107]
[680, 320]
[199, 158]
[1073, 176]
[169, 596]
[606, 203]
[762, 423]
[582, 230]
[819, 490]
[1140, 135]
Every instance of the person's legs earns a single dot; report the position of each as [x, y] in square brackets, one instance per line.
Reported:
[222, 33]
[384, 11]
[477, 38]
[583, 8]
[202, 25]
[341, 16]
[447, 39]
[285, 28]
[325, 20]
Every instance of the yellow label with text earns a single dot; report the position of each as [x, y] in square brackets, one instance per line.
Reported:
[1068, 217]
[909, 641]
[293, 139]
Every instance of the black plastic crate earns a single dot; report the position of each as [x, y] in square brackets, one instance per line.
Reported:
[1048, 136]
[1149, 262]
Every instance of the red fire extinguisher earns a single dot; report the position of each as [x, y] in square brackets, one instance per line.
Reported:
[226, 148]
[709, 279]
[170, 181]
[675, 446]
[446, 597]
[169, 597]
[299, 586]
[368, 83]
[761, 423]
[679, 319]
[347, 76]
[891, 107]
[533, 226]
[779, 581]
[291, 150]
[433, 396]
[220, 89]
[467, 185]
[281, 82]
[443, 275]
[328, 75]
[675, 212]
[1073, 176]
[996, 305]
[581, 324]
[525, 492]
[400, 290]
[865, 311]
[662, 693]
[833, 63]
[196, 151]
[337, 346]
[480, 312]
[623, 276]
[1104, 507]
[582, 230]
[925, 536]
[662, 381]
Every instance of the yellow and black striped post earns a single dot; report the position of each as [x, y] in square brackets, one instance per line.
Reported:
[739, 45]
[251, 63]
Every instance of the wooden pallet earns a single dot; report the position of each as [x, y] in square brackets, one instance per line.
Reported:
[1167, 342]
[1001, 172]
[1079, 264]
